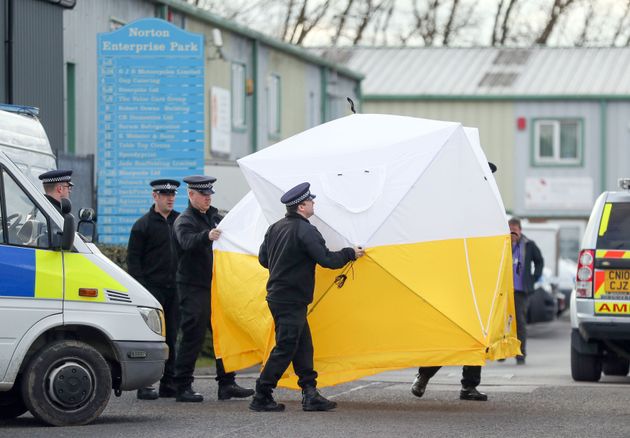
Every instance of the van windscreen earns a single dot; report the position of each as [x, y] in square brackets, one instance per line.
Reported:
[614, 227]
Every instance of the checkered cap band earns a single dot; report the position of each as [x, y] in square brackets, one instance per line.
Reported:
[204, 186]
[300, 199]
[166, 186]
[59, 179]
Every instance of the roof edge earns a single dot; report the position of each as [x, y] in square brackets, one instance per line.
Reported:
[255, 35]
[472, 97]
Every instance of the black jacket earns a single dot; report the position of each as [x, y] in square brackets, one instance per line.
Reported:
[151, 254]
[291, 249]
[532, 256]
[194, 247]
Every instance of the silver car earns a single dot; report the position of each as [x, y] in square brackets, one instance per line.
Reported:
[600, 302]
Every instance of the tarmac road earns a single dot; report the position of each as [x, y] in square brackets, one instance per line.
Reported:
[537, 399]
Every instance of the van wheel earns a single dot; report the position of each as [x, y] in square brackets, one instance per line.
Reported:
[616, 366]
[67, 383]
[11, 404]
[585, 367]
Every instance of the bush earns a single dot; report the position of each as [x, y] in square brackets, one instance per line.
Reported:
[116, 253]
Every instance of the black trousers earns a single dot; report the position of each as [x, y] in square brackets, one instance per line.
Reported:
[168, 299]
[471, 374]
[194, 317]
[521, 300]
[293, 344]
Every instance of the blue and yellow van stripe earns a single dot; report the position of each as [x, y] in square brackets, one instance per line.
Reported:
[35, 273]
[30, 273]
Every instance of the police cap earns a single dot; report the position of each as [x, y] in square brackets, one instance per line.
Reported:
[200, 183]
[297, 194]
[164, 185]
[56, 176]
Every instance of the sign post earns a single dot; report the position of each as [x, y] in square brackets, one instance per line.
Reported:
[150, 118]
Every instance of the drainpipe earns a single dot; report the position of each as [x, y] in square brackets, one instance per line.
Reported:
[603, 140]
[8, 51]
[255, 96]
[324, 94]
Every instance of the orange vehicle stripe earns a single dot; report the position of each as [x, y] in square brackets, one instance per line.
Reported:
[614, 254]
[600, 277]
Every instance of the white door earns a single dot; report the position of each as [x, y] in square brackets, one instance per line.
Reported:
[31, 286]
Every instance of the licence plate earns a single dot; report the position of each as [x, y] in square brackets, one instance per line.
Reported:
[617, 280]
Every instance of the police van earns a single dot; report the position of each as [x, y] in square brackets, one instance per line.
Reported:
[73, 325]
[600, 302]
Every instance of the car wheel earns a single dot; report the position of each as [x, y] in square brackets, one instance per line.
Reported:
[11, 404]
[616, 366]
[585, 367]
[67, 383]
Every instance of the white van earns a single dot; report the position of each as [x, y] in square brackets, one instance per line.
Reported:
[73, 325]
[24, 140]
[600, 301]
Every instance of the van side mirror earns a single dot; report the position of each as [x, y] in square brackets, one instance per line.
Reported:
[87, 226]
[66, 206]
[67, 237]
[87, 214]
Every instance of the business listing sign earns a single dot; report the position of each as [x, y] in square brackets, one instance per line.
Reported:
[150, 118]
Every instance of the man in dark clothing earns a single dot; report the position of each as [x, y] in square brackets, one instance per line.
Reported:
[195, 230]
[525, 253]
[152, 260]
[471, 374]
[291, 249]
[57, 185]
[471, 377]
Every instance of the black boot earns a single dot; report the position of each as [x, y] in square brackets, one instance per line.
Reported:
[419, 385]
[147, 393]
[232, 390]
[188, 395]
[265, 403]
[312, 400]
[471, 393]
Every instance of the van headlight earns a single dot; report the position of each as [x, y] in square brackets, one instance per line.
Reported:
[153, 318]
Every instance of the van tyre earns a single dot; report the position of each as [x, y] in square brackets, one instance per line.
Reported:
[11, 404]
[67, 383]
[585, 367]
[616, 366]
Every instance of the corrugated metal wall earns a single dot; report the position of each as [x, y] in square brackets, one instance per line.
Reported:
[292, 73]
[495, 121]
[38, 64]
[2, 52]
[617, 143]
[220, 68]
[81, 25]
[84, 193]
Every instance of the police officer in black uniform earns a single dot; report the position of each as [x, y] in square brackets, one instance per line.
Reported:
[152, 260]
[291, 249]
[57, 185]
[195, 230]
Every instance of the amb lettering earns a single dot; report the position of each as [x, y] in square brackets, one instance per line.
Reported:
[616, 308]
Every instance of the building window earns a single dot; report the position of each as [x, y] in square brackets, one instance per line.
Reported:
[558, 142]
[238, 95]
[273, 105]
